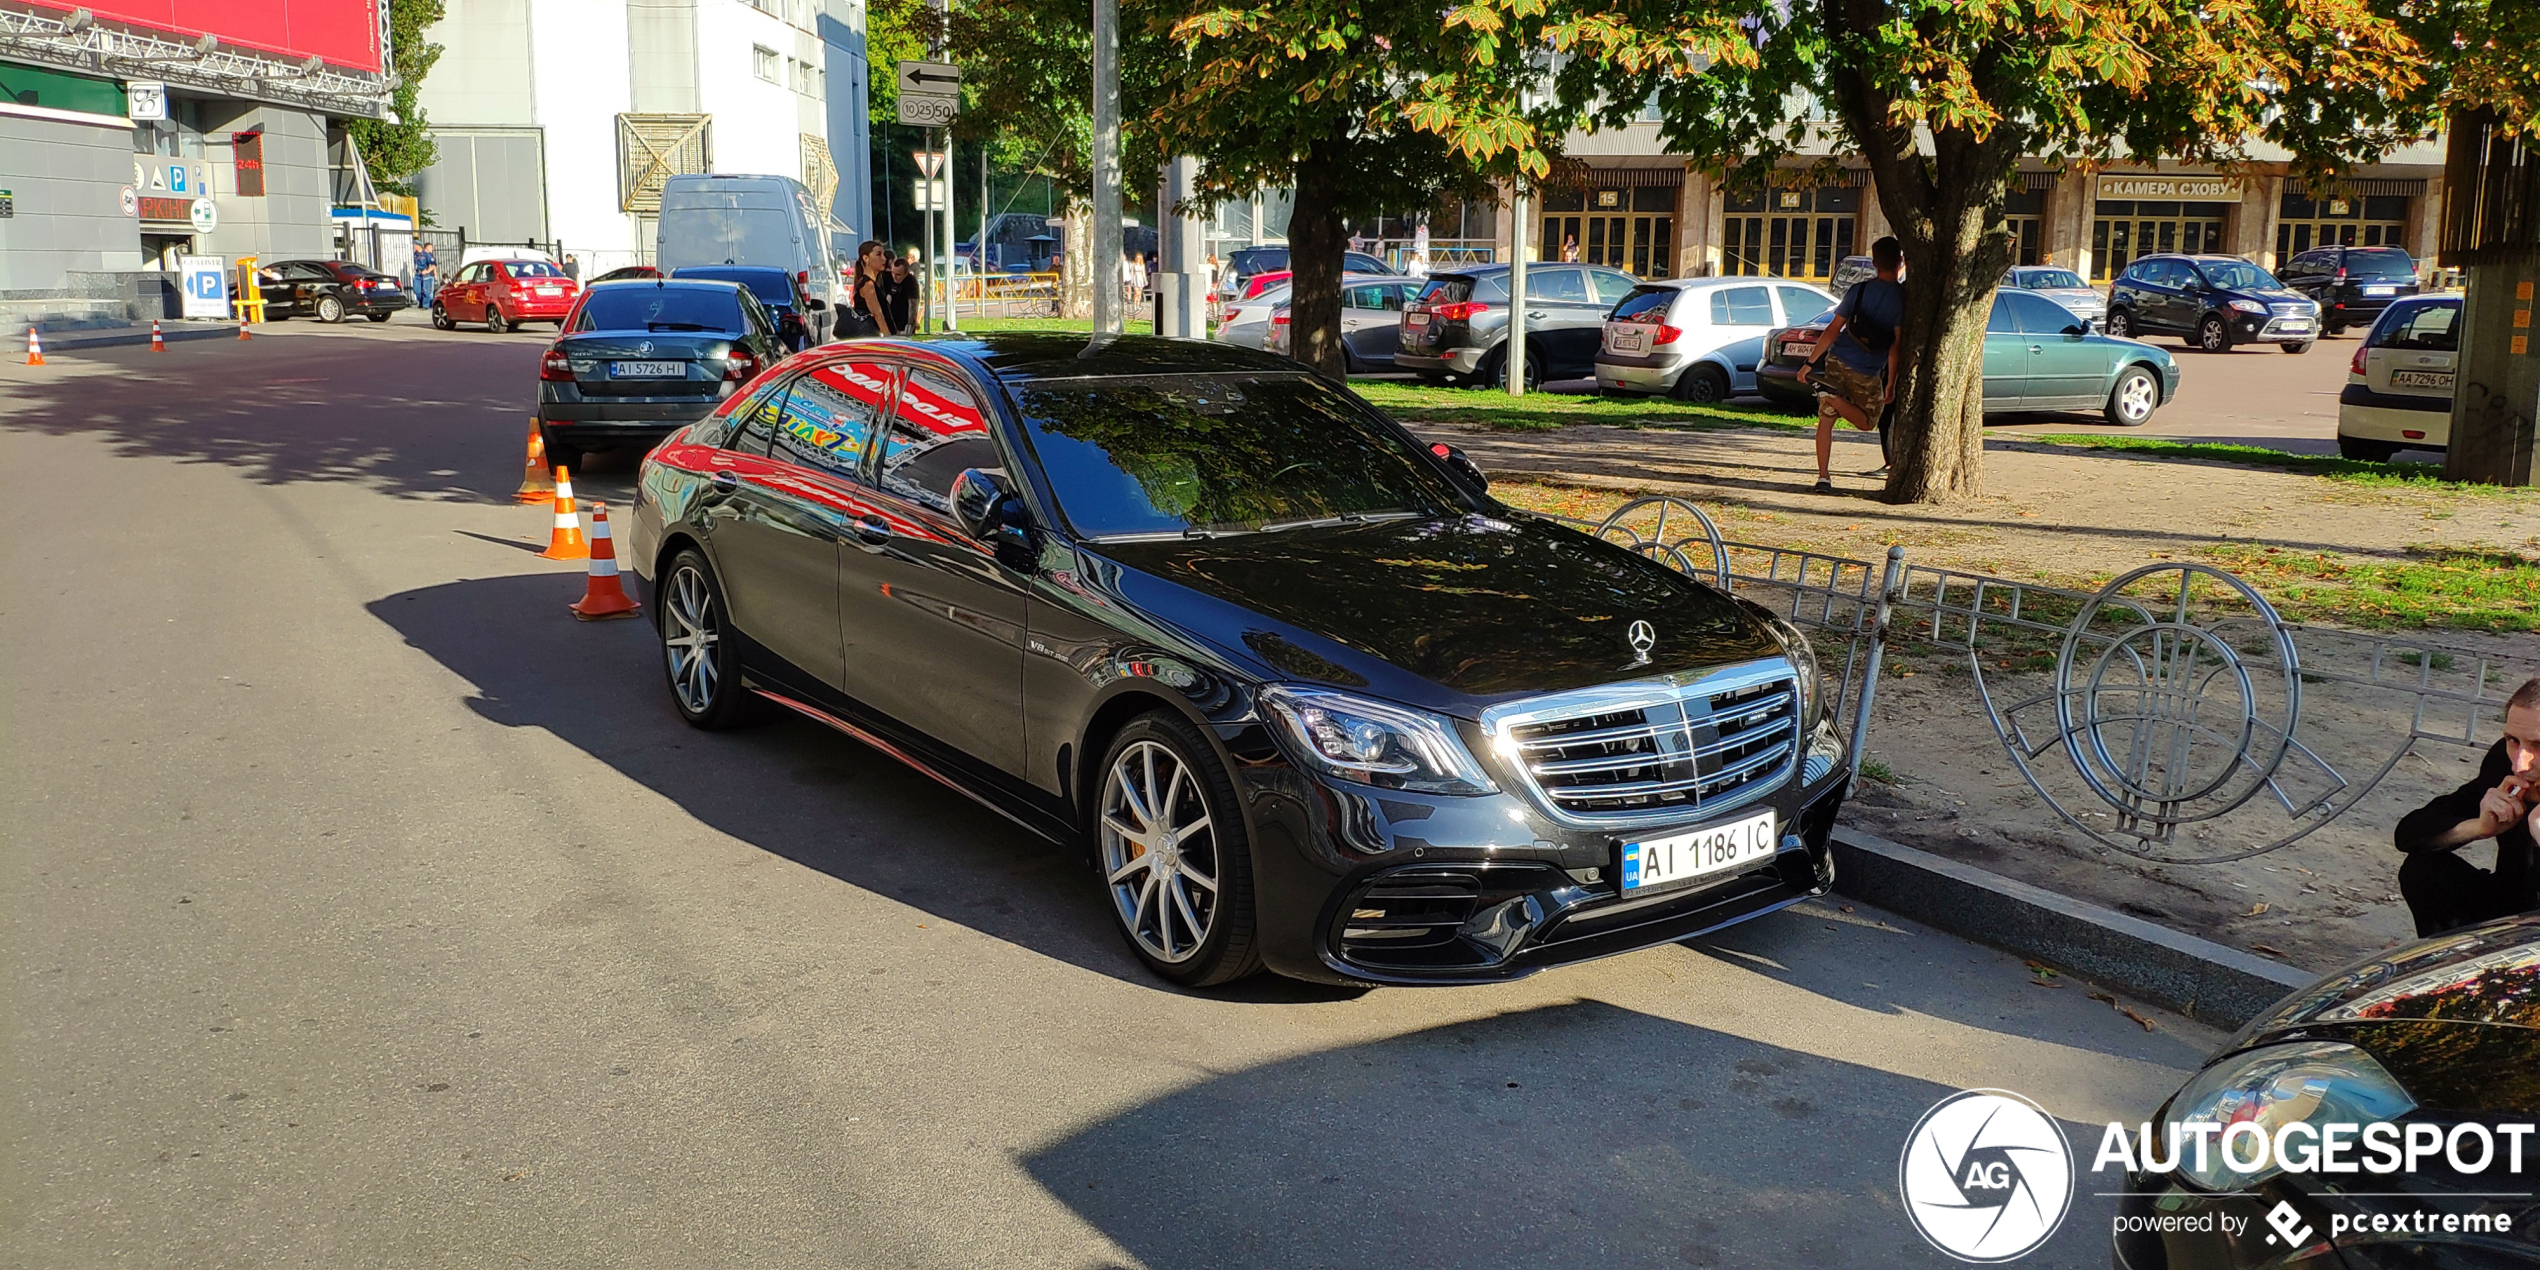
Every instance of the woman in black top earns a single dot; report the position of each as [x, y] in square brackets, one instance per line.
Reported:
[869, 314]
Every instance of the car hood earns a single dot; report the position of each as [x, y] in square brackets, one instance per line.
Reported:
[2489, 973]
[2068, 295]
[1451, 614]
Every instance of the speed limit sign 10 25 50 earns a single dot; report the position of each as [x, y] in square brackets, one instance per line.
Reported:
[927, 110]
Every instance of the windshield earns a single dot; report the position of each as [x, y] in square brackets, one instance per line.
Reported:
[771, 286]
[655, 308]
[1174, 454]
[2238, 275]
[2380, 264]
[2046, 279]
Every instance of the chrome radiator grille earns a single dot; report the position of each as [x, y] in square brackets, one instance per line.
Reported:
[1658, 750]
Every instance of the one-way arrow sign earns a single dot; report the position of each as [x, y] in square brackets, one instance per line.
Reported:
[939, 78]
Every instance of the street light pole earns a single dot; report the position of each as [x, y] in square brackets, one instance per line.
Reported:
[1104, 258]
[952, 243]
[1515, 359]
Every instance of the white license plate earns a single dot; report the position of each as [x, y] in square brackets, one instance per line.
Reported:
[2422, 379]
[2295, 324]
[1625, 339]
[1798, 350]
[2381, 291]
[648, 370]
[1415, 319]
[1682, 857]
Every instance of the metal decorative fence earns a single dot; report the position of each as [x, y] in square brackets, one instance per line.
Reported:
[2171, 707]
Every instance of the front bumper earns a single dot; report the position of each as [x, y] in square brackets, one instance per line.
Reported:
[2254, 328]
[1654, 374]
[1360, 885]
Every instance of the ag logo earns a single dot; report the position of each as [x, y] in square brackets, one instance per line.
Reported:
[1986, 1175]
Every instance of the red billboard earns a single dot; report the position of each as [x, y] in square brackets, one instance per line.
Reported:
[346, 33]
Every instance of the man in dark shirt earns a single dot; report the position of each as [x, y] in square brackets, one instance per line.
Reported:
[2502, 802]
[899, 296]
[1854, 371]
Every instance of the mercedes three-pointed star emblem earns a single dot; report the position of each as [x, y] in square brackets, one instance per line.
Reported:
[1644, 637]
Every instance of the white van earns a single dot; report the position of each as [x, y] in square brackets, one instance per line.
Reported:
[713, 219]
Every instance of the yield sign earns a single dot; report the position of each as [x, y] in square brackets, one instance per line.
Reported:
[930, 163]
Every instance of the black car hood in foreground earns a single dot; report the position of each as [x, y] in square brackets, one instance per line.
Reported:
[2456, 1018]
[1451, 614]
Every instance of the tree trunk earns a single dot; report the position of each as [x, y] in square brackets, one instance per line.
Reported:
[1316, 241]
[1954, 258]
[1076, 260]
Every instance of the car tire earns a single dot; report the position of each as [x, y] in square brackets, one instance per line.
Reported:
[1702, 384]
[560, 454]
[2336, 329]
[494, 323]
[699, 661]
[2120, 324]
[1135, 839]
[2302, 346]
[2212, 335]
[2133, 398]
[378, 317]
[330, 310]
[2365, 449]
[441, 318]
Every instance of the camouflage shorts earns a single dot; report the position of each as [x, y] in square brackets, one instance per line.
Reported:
[1833, 378]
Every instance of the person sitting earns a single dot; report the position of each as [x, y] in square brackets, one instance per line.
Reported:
[2502, 802]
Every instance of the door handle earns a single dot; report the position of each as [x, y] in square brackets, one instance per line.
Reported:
[872, 529]
[726, 482]
[1537, 314]
[2037, 348]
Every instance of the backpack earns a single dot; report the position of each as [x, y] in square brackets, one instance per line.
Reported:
[1867, 331]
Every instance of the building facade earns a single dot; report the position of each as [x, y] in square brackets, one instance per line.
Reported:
[128, 143]
[1642, 210]
[558, 120]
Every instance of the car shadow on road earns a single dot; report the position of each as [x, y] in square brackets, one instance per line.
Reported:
[784, 785]
[1501, 1142]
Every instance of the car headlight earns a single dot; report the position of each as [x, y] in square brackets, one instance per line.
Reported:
[2248, 306]
[2312, 1082]
[1375, 743]
[1803, 658]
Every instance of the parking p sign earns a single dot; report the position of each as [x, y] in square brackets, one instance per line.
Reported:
[206, 281]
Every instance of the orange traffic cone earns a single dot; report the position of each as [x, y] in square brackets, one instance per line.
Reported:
[242, 329]
[566, 542]
[158, 342]
[603, 597]
[34, 347]
[536, 486]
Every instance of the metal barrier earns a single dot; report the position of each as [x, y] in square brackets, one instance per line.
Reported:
[2175, 693]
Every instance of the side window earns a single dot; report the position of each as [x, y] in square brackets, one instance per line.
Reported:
[936, 431]
[1394, 296]
[754, 421]
[1799, 304]
[2001, 323]
[1741, 306]
[2039, 315]
[2137, 272]
[1556, 286]
[1611, 286]
[830, 413]
[1368, 297]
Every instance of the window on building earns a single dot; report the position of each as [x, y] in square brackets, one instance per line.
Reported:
[765, 65]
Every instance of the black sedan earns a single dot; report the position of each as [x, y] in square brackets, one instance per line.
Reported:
[2394, 1104]
[1303, 695]
[330, 291]
[635, 360]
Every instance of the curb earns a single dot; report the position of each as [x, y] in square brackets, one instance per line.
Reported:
[108, 337]
[2199, 978]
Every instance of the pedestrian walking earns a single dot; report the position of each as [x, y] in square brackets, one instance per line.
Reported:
[573, 268]
[866, 314]
[899, 296]
[1570, 249]
[1133, 278]
[1854, 369]
[427, 282]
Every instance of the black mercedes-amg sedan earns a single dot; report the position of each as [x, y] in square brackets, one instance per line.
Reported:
[1304, 695]
[2396, 1104]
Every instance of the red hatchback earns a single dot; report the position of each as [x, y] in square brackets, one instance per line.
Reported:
[504, 293]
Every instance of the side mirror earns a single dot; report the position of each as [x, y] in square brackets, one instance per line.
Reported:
[1463, 466]
[816, 305]
[988, 509]
[2080, 327]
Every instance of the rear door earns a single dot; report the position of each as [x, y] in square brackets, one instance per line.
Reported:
[1740, 317]
[1371, 315]
[934, 620]
[1561, 318]
[2416, 353]
[2005, 358]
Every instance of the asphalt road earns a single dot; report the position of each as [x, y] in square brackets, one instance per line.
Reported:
[363, 909]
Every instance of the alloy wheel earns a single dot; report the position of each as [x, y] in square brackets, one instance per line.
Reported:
[2211, 337]
[690, 634]
[2135, 398]
[1160, 855]
[2120, 325]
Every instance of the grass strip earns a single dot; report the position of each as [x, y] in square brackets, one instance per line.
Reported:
[1544, 411]
[2424, 476]
[2442, 587]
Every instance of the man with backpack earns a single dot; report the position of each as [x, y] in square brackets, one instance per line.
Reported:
[1854, 371]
